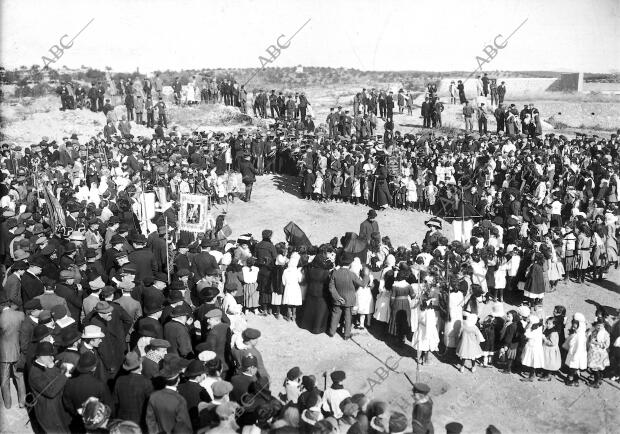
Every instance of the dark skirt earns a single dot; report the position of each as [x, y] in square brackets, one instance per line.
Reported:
[314, 316]
[400, 317]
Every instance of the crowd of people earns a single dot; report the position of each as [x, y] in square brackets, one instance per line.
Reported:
[112, 323]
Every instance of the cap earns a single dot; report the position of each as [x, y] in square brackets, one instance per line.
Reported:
[217, 313]
[421, 388]
[249, 334]
[221, 388]
[248, 361]
[159, 343]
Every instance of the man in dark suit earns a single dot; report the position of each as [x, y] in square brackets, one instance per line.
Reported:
[47, 383]
[368, 226]
[68, 290]
[204, 263]
[81, 387]
[143, 258]
[248, 174]
[31, 283]
[176, 332]
[217, 339]
[342, 286]
[156, 350]
[192, 391]
[389, 106]
[132, 391]
[241, 382]
[167, 409]
[158, 245]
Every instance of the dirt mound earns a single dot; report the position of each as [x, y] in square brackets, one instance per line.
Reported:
[24, 121]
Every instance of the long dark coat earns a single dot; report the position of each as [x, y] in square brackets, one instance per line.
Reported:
[47, 385]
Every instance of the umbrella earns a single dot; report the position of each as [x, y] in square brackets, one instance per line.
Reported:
[295, 236]
[354, 247]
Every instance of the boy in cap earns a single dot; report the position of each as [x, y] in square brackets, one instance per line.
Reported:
[422, 406]
[250, 338]
[246, 376]
[335, 394]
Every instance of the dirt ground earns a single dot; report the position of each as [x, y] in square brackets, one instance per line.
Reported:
[373, 366]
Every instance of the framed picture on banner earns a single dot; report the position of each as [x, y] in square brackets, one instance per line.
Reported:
[193, 213]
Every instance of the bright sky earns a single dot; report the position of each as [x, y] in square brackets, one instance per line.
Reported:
[566, 35]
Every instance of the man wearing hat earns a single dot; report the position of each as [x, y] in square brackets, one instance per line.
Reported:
[68, 290]
[217, 339]
[115, 324]
[157, 243]
[132, 391]
[13, 284]
[11, 320]
[47, 382]
[82, 386]
[368, 226]
[204, 263]
[92, 337]
[68, 342]
[208, 413]
[176, 331]
[433, 234]
[335, 394]
[250, 338]
[143, 258]
[422, 407]
[247, 375]
[31, 283]
[167, 410]
[192, 391]
[156, 350]
[49, 299]
[90, 301]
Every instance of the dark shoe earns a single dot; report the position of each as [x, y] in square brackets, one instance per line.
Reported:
[545, 378]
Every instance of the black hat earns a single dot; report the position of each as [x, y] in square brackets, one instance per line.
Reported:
[372, 213]
[44, 349]
[454, 428]
[67, 337]
[87, 362]
[41, 331]
[195, 368]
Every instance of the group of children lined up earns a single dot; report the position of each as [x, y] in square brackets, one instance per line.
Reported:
[543, 347]
[407, 192]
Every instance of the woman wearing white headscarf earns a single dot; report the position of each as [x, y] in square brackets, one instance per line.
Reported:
[575, 344]
[533, 355]
[470, 338]
[291, 279]
[386, 279]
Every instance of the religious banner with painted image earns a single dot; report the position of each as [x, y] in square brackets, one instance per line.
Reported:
[193, 213]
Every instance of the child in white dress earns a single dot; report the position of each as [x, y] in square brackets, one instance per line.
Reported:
[364, 302]
[291, 279]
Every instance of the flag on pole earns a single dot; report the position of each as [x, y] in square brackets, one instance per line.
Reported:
[56, 213]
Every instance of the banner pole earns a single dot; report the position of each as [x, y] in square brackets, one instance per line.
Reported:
[167, 250]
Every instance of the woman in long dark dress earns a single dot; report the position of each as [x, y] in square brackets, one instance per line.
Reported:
[314, 316]
[400, 307]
